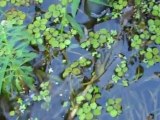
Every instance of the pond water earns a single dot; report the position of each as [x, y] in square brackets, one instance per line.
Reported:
[140, 99]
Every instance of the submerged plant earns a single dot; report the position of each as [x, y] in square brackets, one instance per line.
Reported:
[57, 12]
[14, 57]
[114, 107]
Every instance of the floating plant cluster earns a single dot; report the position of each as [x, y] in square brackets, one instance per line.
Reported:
[89, 108]
[117, 6]
[57, 39]
[114, 107]
[19, 3]
[16, 16]
[99, 39]
[75, 67]
[37, 28]
[120, 71]
[151, 56]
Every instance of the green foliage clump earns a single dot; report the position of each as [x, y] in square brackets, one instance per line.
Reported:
[89, 108]
[120, 71]
[16, 16]
[75, 67]
[57, 39]
[154, 27]
[151, 56]
[118, 6]
[156, 10]
[57, 12]
[37, 28]
[3, 3]
[99, 39]
[14, 56]
[114, 107]
[39, 1]
[136, 42]
[20, 2]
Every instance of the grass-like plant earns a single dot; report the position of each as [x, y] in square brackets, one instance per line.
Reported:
[15, 72]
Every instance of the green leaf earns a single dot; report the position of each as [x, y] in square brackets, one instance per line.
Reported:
[75, 25]
[114, 113]
[148, 55]
[12, 113]
[74, 7]
[93, 105]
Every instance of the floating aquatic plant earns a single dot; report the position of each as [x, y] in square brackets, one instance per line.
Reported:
[136, 42]
[114, 107]
[57, 39]
[118, 6]
[153, 26]
[16, 16]
[89, 108]
[151, 56]
[120, 71]
[75, 67]
[99, 39]
[3, 3]
[37, 28]
[20, 2]
[156, 10]
[58, 13]
[44, 95]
